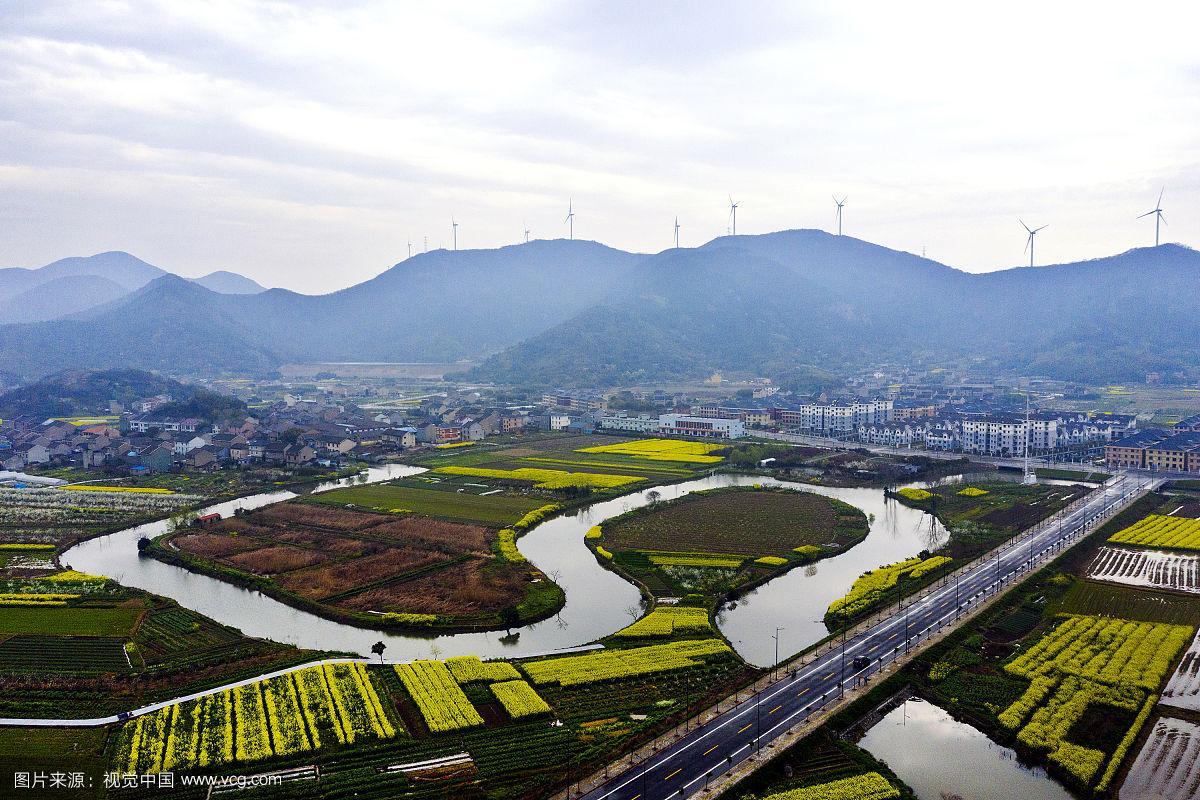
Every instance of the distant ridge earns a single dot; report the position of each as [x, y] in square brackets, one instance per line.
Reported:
[798, 306]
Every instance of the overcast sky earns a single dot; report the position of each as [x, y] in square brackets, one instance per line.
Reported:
[305, 144]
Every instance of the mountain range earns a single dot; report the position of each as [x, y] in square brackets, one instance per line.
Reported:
[72, 285]
[795, 305]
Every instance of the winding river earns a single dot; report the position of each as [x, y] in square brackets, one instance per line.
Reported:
[598, 601]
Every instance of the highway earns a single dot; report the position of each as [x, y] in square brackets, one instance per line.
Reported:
[687, 765]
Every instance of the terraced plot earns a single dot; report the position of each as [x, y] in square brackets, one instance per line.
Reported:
[63, 655]
[1151, 568]
[1166, 767]
[1183, 690]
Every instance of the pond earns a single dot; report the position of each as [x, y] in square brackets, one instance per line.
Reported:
[598, 601]
[940, 758]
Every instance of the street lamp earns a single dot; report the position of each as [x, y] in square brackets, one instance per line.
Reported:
[775, 636]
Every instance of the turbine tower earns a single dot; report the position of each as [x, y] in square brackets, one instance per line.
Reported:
[1029, 241]
[1158, 215]
[840, 204]
[526, 227]
[733, 213]
[410, 248]
[454, 225]
[677, 233]
[570, 220]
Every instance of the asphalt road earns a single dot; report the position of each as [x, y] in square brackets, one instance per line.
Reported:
[686, 766]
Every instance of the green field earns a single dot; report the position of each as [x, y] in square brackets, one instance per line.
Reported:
[492, 509]
[68, 621]
[1095, 598]
[63, 654]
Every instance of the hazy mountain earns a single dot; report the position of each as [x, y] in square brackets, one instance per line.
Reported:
[59, 297]
[437, 306]
[225, 282]
[796, 303]
[72, 285]
[122, 269]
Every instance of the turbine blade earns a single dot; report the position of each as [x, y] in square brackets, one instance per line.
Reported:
[1023, 225]
[1035, 230]
[1148, 213]
[1162, 218]
[1160, 194]
[1028, 241]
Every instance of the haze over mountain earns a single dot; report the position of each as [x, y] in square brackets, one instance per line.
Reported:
[793, 305]
[226, 282]
[436, 306]
[71, 285]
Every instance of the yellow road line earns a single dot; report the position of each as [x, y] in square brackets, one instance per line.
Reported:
[748, 724]
[673, 774]
[776, 708]
[709, 750]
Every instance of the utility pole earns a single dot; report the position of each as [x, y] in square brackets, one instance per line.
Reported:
[842, 674]
[775, 670]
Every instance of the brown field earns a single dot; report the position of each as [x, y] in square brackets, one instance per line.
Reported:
[317, 552]
[462, 589]
[318, 582]
[215, 546]
[270, 560]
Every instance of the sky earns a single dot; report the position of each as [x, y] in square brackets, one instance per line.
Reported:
[306, 145]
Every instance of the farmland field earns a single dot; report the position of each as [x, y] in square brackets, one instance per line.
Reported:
[1165, 769]
[1151, 568]
[746, 523]
[69, 621]
[1164, 531]
[1090, 597]
[370, 567]
[63, 654]
[491, 509]
[1183, 690]
[714, 541]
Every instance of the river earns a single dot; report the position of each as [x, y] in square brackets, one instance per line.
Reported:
[598, 601]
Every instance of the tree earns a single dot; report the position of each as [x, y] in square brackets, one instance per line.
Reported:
[653, 496]
[377, 649]
[510, 617]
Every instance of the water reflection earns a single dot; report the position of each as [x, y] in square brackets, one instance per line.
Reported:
[941, 757]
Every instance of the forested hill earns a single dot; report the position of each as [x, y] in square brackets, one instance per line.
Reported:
[795, 304]
[89, 392]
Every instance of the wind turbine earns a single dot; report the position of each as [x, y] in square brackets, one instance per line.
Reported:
[410, 248]
[733, 213]
[526, 227]
[570, 220]
[1158, 215]
[840, 204]
[454, 225]
[677, 233]
[1029, 241]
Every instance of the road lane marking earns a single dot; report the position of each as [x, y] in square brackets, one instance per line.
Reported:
[673, 774]
[709, 750]
[748, 725]
[802, 691]
[776, 708]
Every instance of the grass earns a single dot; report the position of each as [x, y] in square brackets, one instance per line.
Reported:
[1095, 598]
[492, 509]
[68, 621]
[766, 522]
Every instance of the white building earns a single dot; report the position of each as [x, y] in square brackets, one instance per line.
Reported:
[889, 434]
[685, 425]
[838, 416]
[623, 422]
[1006, 436]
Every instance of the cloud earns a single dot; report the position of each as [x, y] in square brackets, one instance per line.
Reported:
[305, 144]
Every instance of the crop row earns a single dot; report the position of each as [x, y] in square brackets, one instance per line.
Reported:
[519, 699]
[666, 620]
[1147, 568]
[443, 705]
[469, 669]
[873, 585]
[278, 717]
[1158, 530]
[1111, 651]
[869, 786]
[546, 478]
[612, 664]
